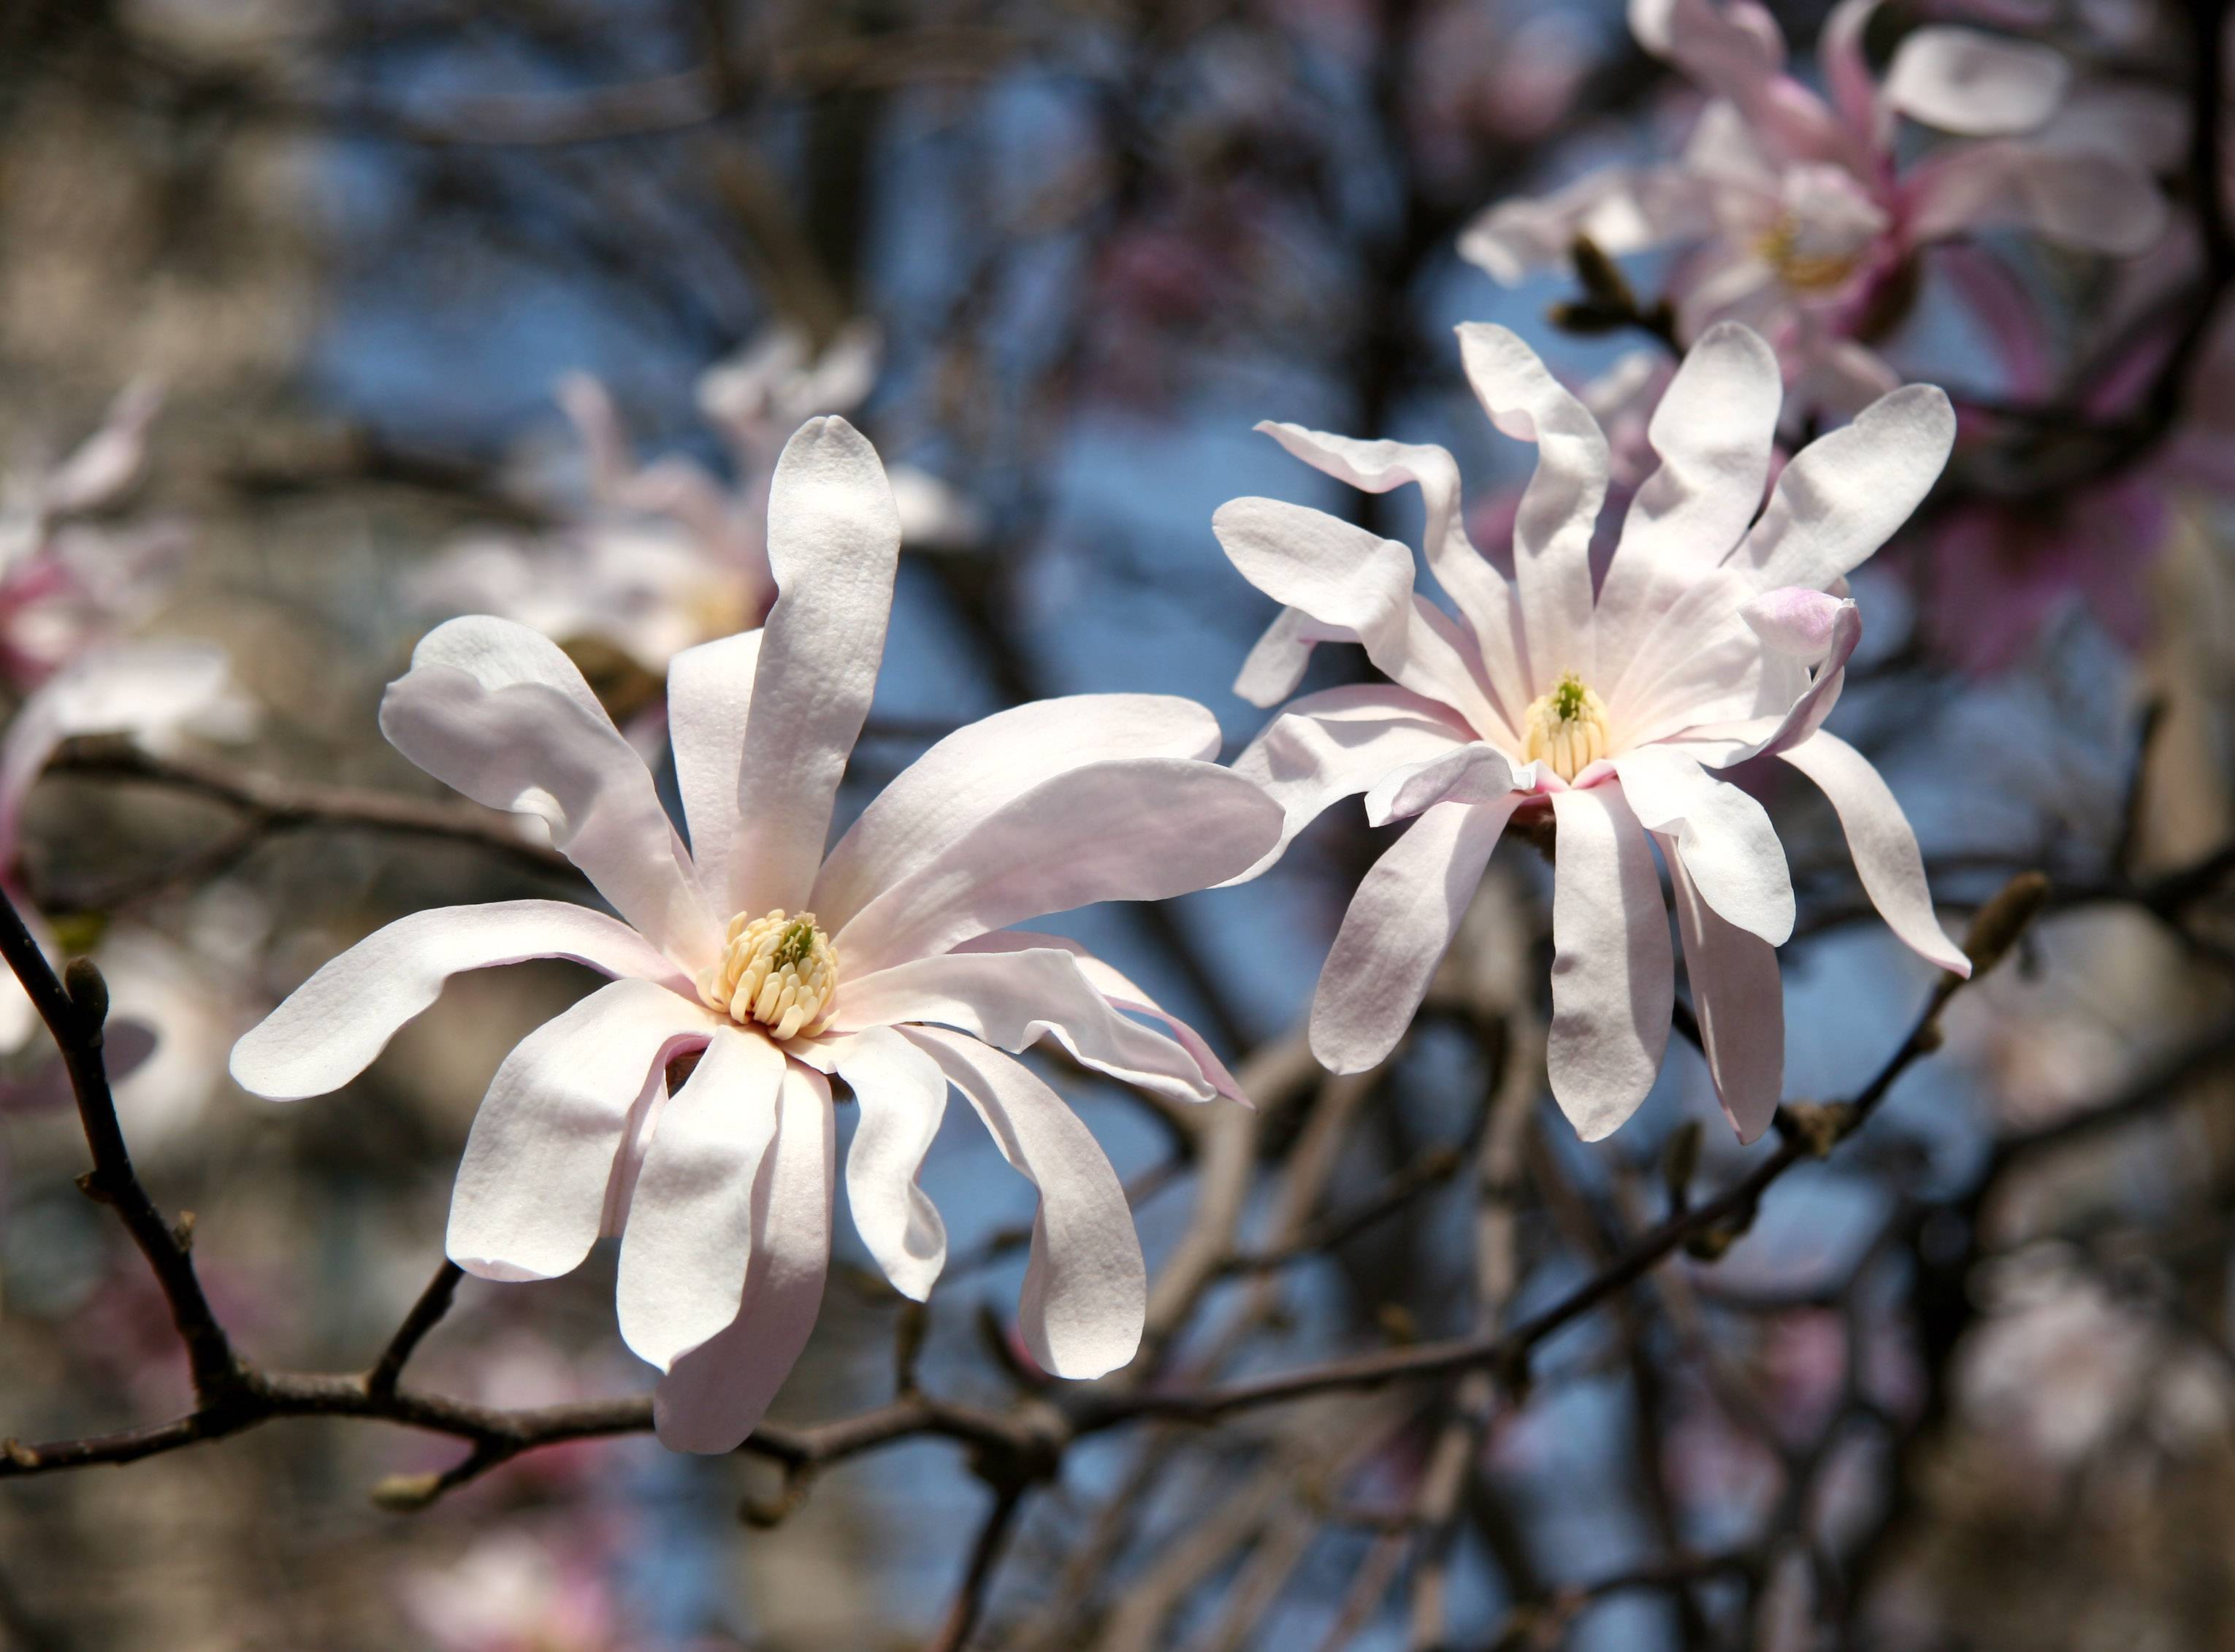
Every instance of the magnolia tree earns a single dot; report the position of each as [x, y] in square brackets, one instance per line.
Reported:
[1646, 1067]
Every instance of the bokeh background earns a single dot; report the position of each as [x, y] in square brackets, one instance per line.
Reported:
[1058, 256]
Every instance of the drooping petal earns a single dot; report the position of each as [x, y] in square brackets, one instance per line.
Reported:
[531, 1192]
[1843, 494]
[1353, 581]
[1882, 842]
[1963, 80]
[1613, 971]
[1398, 926]
[1847, 70]
[1086, 1289]
[1475, 587]
[495, 710]
[1738, 1002]
[976, 769]
[329, 1029]
[1123, 994]
[2083, 198]
[1011, 1000]
[1559, 508]
[1136, 829]
[1734, 50]
[1795, 623]
[1723, 836]
[715, 1396]
[902, 1096]
[1471, 774]
[834, 544]
[1277, 660]
[1337, 743]
[710, 696]
[688, 1233]
[1621, 209]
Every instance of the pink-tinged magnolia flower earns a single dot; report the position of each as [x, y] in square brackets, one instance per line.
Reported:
[883, 962]
[68, 580]
[1714, 639]
[1802, 220]
[665, 556]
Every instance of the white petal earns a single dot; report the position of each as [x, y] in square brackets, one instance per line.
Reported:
[1738, 1002]
[1011, 1000]
[834, 543]
[1474, 585]
[1713, 430]
[1613, 972]
[715, 1394]
[1277, 660]
[974, 770]
[2101, 203]
[1843, 494]
[530, 743]
[1355, 582]
[902, 1095]
[688, 1233]
[1559, 508]
[1471, 774]
[1621, 209]
[1399, 925]
[530, 1197]
[1960, 80]
[710, 696]
[329, 1029]
[1884, 848]
[1138, 829]
[1086, 1289]
[1795, 624]
[1723, 835]
[1337, 743]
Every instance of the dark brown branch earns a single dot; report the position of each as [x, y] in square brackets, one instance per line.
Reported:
[425, 1314]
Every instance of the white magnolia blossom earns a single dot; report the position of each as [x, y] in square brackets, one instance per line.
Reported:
[1714, 638]
[664, 555]
[1800, 206]
[886, 962]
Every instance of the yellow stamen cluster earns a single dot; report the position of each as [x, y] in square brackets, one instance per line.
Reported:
[780, 971]
[1567, 728]
[1779, 247]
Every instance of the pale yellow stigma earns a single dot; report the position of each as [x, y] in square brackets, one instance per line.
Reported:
[1779, 246]
[780, 971]
[1567, 728]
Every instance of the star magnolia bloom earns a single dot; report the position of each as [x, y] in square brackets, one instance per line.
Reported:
[1611, 708]
[666, 556]
[1805, 220]
[778, 966]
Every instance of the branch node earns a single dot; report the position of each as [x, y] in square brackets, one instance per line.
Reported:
[20, 1454]
[1999, 923]
[407, 1493]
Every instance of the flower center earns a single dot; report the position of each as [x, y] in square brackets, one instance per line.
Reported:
[1786, 249]
[780, 971]
[1567, 728]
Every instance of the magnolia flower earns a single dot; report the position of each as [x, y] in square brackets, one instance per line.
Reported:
[1714, 638]
[68, 582]
[665, 556]
[775, 966]
[1804, 220]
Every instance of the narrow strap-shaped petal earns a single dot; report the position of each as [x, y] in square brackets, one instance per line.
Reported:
[710, 698]
[1738, 1002]
[715, 1394]
[1475, 587]
[1339, 743]
[1470, 773]
[1560, 507]
[497, 712]
[1277, 660]
[834, 544]
[1137, 830]
[530, 1196]
[1845, 68]
[329, 1029]
[1833, 629]
[1964, 81]
[1398, 926]
[1622, 209]
[1613, 971]
[689, 1234]
[1882, 842]
[1723, 835]
[1355, 582]
[975, 770]
[902, 1096]
[1086, 1289]
[2083, 198]
[1013, 998]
